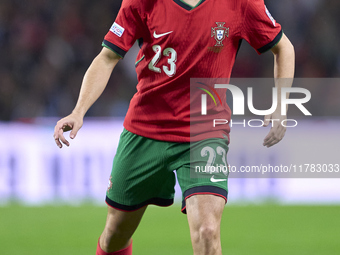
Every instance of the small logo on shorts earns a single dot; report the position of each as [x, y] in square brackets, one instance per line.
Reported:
[212, 179]
[109, 186]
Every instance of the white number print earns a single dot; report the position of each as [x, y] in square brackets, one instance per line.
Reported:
[212, 156]
[172, 70]
[223, 153]
[168, 52]
[157, 49]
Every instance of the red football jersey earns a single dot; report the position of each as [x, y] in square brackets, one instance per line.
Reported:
[179, 42]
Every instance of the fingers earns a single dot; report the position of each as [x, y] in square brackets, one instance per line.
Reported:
[75, 131]
[270, 140]
[277, 131]
[62, 138]
[71, 122]
[56, 139]
[275, 135]
[58, 135]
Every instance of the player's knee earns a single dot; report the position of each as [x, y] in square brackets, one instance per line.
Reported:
[113, 239]
[208, 233]
[111, 231]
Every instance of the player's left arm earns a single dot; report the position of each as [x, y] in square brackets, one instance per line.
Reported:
[284, 66]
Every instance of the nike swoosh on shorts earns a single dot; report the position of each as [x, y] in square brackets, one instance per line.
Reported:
[212, 179]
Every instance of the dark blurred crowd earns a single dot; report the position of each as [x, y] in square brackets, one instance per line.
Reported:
[46, 47]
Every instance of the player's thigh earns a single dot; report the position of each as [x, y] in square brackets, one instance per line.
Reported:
[204, 209]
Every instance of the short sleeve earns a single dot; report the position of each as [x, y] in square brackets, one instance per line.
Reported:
[126, 29]
[259, 28]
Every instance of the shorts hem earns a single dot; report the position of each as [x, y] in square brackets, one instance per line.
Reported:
[130, 208]
[203, 190]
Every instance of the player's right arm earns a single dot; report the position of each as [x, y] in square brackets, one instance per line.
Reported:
[93, 85]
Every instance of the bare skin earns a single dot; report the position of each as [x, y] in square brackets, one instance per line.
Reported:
[192, 2]
[94, 83]
[284, 67]
[119, 229]
[204, 214]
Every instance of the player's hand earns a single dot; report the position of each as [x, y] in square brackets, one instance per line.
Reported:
[72, 122]
[277, 131]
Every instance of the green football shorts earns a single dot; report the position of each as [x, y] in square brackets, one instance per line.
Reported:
[143, 171]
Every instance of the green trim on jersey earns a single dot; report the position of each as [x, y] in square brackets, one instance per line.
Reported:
[104, 45]
[192, 7]
[137, 62]
[198, 4]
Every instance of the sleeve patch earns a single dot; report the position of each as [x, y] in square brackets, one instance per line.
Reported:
[117, 29]
[270, 16]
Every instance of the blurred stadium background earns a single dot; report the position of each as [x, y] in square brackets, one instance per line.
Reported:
[52, 201]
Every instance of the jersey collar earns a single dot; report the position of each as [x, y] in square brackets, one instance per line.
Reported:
[187, 6]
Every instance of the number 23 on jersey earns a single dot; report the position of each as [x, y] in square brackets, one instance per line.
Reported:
[170, 54]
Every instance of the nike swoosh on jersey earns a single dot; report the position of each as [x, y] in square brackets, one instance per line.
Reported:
[160, 35]
[212, 179]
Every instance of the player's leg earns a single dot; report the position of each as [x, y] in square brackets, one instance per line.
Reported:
[138, 178]
[204, 214]
[205, 191]
[118, 230]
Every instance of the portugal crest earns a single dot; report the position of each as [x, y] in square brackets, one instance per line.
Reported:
[219, 33]
[109, 186]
